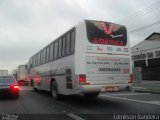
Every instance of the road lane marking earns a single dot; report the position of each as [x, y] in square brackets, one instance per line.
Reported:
[138, 87]
[130, 94]
[75, 116]
[157, 102]
[148, 102]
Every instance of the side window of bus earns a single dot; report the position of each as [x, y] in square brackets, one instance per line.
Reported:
[30, 63]
[63, 45]
[41, 57]
[51, 52]
[47, 55]
[72, 41]
[56, 50]
[33, 61]
[60, 48]
[38, 59]
[68, 41]
[44, 55]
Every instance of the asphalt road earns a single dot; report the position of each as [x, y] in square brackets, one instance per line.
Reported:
[42, 105]
[147, 84]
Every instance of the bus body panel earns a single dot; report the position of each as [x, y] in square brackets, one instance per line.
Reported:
[97, 82]
[44, 74]
[66, 70]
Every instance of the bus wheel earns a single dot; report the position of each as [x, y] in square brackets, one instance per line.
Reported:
[34, 89]
[91, 95]
[54, 91]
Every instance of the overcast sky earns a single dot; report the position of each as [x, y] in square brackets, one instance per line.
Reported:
[26, 26]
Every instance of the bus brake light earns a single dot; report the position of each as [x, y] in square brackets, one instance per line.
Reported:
[82, 80]
[131, 78]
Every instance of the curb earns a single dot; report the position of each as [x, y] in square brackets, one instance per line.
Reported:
[144, 91]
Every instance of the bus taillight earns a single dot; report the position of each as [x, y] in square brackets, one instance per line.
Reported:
[131, 78]
[82, 80]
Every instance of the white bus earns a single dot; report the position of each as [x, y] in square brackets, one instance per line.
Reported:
[92, 57]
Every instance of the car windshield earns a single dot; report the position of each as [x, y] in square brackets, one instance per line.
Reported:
[7, 79]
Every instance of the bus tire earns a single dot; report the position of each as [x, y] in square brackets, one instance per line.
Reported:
[34, 89]
[54, 91]
[91, 95]
[31, 83]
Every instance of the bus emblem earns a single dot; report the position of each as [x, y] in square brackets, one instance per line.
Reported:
[99, 49]
[107, 29]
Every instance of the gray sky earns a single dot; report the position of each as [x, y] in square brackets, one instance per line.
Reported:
[26, 26]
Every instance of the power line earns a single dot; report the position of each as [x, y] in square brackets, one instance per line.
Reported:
[142, 12]
[141, 15]
[149, 39]
[145, 27]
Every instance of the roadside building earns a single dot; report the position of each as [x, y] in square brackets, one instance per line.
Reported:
[3, 72]
[146, 58]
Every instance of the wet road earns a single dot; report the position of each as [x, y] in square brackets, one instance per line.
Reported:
[79, 108]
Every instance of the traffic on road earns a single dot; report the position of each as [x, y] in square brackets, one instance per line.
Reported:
[79, 60]
[77, 106]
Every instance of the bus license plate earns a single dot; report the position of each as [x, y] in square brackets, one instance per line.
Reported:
[110, 89]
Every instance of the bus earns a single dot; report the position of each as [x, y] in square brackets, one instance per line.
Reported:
[92, 57]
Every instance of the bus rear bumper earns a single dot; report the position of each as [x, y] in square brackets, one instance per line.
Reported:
[105, 88]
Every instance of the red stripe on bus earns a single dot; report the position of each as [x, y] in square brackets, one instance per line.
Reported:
[107, 53]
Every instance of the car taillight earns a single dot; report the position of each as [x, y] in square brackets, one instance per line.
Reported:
[14, 87]
[82, 80]
[131, 78]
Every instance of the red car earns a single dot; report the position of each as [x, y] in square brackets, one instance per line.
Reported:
[8, 85]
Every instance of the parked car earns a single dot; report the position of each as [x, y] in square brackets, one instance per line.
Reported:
[9, 85]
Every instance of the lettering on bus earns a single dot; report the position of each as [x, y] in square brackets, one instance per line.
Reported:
[126, 50]
[99, 48]
[108, 59]
[107, 41]
[109, 49]
[106, 33]
[95, 63]
[109, 69]
[107, 65]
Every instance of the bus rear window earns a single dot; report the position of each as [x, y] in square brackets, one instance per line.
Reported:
[106, 33]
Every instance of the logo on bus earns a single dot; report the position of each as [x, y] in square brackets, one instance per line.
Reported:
[126, 50]
[118, 49]
[99, 48]
[107, 29]
[106, 33]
